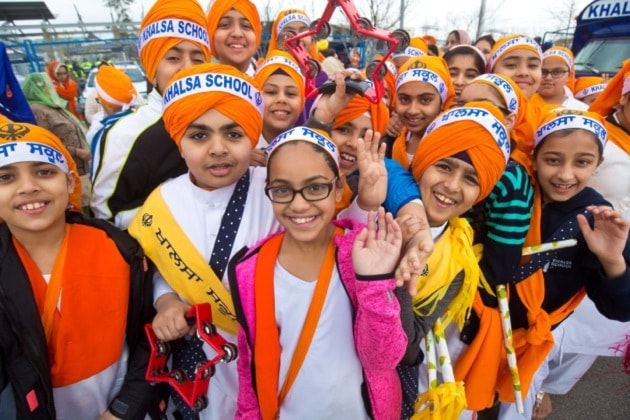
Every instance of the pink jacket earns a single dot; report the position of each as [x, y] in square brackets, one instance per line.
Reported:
[378, 334]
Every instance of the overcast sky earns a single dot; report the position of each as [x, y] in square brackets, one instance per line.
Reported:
[438, 17]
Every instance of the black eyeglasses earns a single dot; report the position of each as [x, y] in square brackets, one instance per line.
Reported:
[312, 192]
[555, 73]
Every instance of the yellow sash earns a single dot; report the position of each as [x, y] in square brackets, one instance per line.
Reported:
[179, 262]
[452, 253]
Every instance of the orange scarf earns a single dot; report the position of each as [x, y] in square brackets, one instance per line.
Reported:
[87, 335]
[399, 149]
[618, 136]
[267, 345]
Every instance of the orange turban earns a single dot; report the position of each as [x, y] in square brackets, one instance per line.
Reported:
[285, 17]
[198, 89]
[359, 105]
[115, 88]
[167, 24]
[281, 60]
[510, 43]
[477, 129]
[566, 55]
[219, 8]
[588, 85]
[616, 88]
[417, 47]
[21, 142]
[429, 69]
[563, 119]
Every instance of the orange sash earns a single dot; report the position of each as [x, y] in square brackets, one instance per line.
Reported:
[267, 344]
[618, 136]
[399, 149]
[87, 334]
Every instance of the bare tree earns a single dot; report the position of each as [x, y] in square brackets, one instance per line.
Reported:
[563, 15]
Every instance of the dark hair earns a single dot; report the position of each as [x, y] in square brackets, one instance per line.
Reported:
[434, 49]
[456, 33]
[568, 131]
[466, 50]
[488, 38]
[329, 160]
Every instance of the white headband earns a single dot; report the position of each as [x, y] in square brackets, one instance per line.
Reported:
[409, 52]
[29, 151]
[282, 61]
[212, 82]
[571, 119]
[293, 17]
[480, 116]
[473, 48]
[308, 135]
[424, 75]
[561, 54]
[505, 89]
[176, 28]
[522, 41]
[598, 88]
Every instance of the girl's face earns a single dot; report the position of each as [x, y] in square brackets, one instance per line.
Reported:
[448, 189]
[296, 166]
[522, 66]
[483, 92]
[34, 196]
[551, 87]
[181, 56]
[565, 163]
[235, 40]
[345, 138]
[417, 105]
[216, 150]
[463, 70]
[485, 48]
[297, 27]
[282, 103]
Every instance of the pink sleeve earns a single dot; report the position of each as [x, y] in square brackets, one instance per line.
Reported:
[246, 403]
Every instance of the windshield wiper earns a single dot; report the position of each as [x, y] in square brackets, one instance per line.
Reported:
[589, 66]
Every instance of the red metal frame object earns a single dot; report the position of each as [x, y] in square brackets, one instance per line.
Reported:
[397, 41]
[193, 391]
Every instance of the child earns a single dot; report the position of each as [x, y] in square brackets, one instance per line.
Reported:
[588, 88]
[465, 62]
[73, 296]
[138, 153]
[558, 79]
[520, 58]
[567, 149]
[423, 89]
[279, 342]
[235, 33]
[215, 209]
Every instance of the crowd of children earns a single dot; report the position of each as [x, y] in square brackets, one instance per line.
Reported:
[341, 243]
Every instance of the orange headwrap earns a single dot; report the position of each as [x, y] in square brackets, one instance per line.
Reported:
[417, 47]
[566, 55]
[359, 105]
[429, 39]
[68, 91]
[167, 24]
[197, 89]
[218, 8]
[477, 129]
[283, 18]
[616, 88]
[588, 85]
[432, 70]
[281, 60]
[510, 43]
[114, 87]
[40, 145]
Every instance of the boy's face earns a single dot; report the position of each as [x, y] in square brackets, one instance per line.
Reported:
[235, 40]
[216, 150]
[448, 188]
[181, 56]
[345, 138]
[564, 164]
[282, 102]
[417, 105]
[34, 196]
[549, 86]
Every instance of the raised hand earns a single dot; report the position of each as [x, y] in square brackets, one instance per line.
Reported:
[330, 105]
[607, 239]
[376, 250]
[372, 171]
